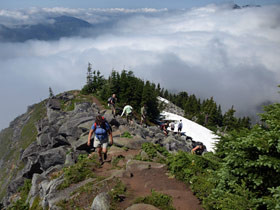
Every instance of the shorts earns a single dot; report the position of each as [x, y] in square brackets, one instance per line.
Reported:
[100, 143]
[179, 129]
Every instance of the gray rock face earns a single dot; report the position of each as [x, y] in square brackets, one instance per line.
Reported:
[33, 166]
[52, 157]
[34, 190]
[44, 139]
[53, 104]
[101, 202]
[70, 127]
[32, 149]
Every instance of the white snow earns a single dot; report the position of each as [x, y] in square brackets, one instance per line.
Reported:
[163, 100]
[194, 130]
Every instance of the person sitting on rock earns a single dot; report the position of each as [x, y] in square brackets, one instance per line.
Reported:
[128, 112]
[164, 127]
[101, 129]
[198, 150]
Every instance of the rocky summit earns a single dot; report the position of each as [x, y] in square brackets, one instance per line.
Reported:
[46, 149]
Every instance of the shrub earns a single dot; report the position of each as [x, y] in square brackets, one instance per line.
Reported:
[80, 171]
[126, 134]
[157, 199]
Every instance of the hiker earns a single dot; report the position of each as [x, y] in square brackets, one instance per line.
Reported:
[128, 112]
[180, 126]
[101, 129]
[198, 150]
[112, 103]
[164, 127]
[172, 126]
[144, 114]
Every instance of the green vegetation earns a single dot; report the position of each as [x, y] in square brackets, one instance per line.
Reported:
[21, 204]
[157, 199]
[155, 153]
[129, 89]
[29, 132]
[117, 194]
[135, 92]
[79, 98]
[36, 204]
[243, 174]
[116, 161]
[118, 191]
[82, 170]
[126, 134]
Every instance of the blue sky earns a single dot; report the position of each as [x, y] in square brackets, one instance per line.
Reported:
[16, 4]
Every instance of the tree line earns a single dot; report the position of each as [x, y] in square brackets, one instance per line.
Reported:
[136, 92]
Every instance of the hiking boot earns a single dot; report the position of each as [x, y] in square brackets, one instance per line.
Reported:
[105, 156]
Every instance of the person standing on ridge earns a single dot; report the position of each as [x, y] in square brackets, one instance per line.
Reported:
[172, 126]
[101, 129]
[128, 112]
[144, 114]
[180, 126]
[112, 103]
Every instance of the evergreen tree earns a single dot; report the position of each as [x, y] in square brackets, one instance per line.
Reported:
[149, 98]
[50, 93]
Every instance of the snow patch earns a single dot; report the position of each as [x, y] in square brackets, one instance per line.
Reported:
[163, 100]
[194, 130]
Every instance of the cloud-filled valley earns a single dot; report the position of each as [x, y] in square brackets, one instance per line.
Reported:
[230, 54]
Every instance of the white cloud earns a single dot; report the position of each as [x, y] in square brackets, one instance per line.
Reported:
[232, 55]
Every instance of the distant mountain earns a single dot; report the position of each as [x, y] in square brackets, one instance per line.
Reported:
[235, 6]
[63, 26]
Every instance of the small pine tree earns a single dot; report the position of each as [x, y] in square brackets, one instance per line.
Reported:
[50, 93]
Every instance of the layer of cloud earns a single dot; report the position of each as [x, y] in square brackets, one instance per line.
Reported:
[232, 55]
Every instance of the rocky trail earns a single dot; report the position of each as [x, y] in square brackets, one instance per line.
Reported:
[53, 160]
[140, 177]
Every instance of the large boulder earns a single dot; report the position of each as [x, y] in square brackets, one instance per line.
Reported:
[58, 141]
[81, 144]
[52, 157]
[33, 166]
[44, 139]
[32, 149]
[54, 104]
[70, 127]
[54, 115]
[142, 206]
[101, 202]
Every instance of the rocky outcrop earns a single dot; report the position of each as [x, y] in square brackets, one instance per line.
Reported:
[62, 136]
[101, 202]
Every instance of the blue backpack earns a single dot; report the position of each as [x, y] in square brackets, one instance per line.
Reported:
[101, 131]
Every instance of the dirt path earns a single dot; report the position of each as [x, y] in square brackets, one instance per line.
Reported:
[143, 181]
